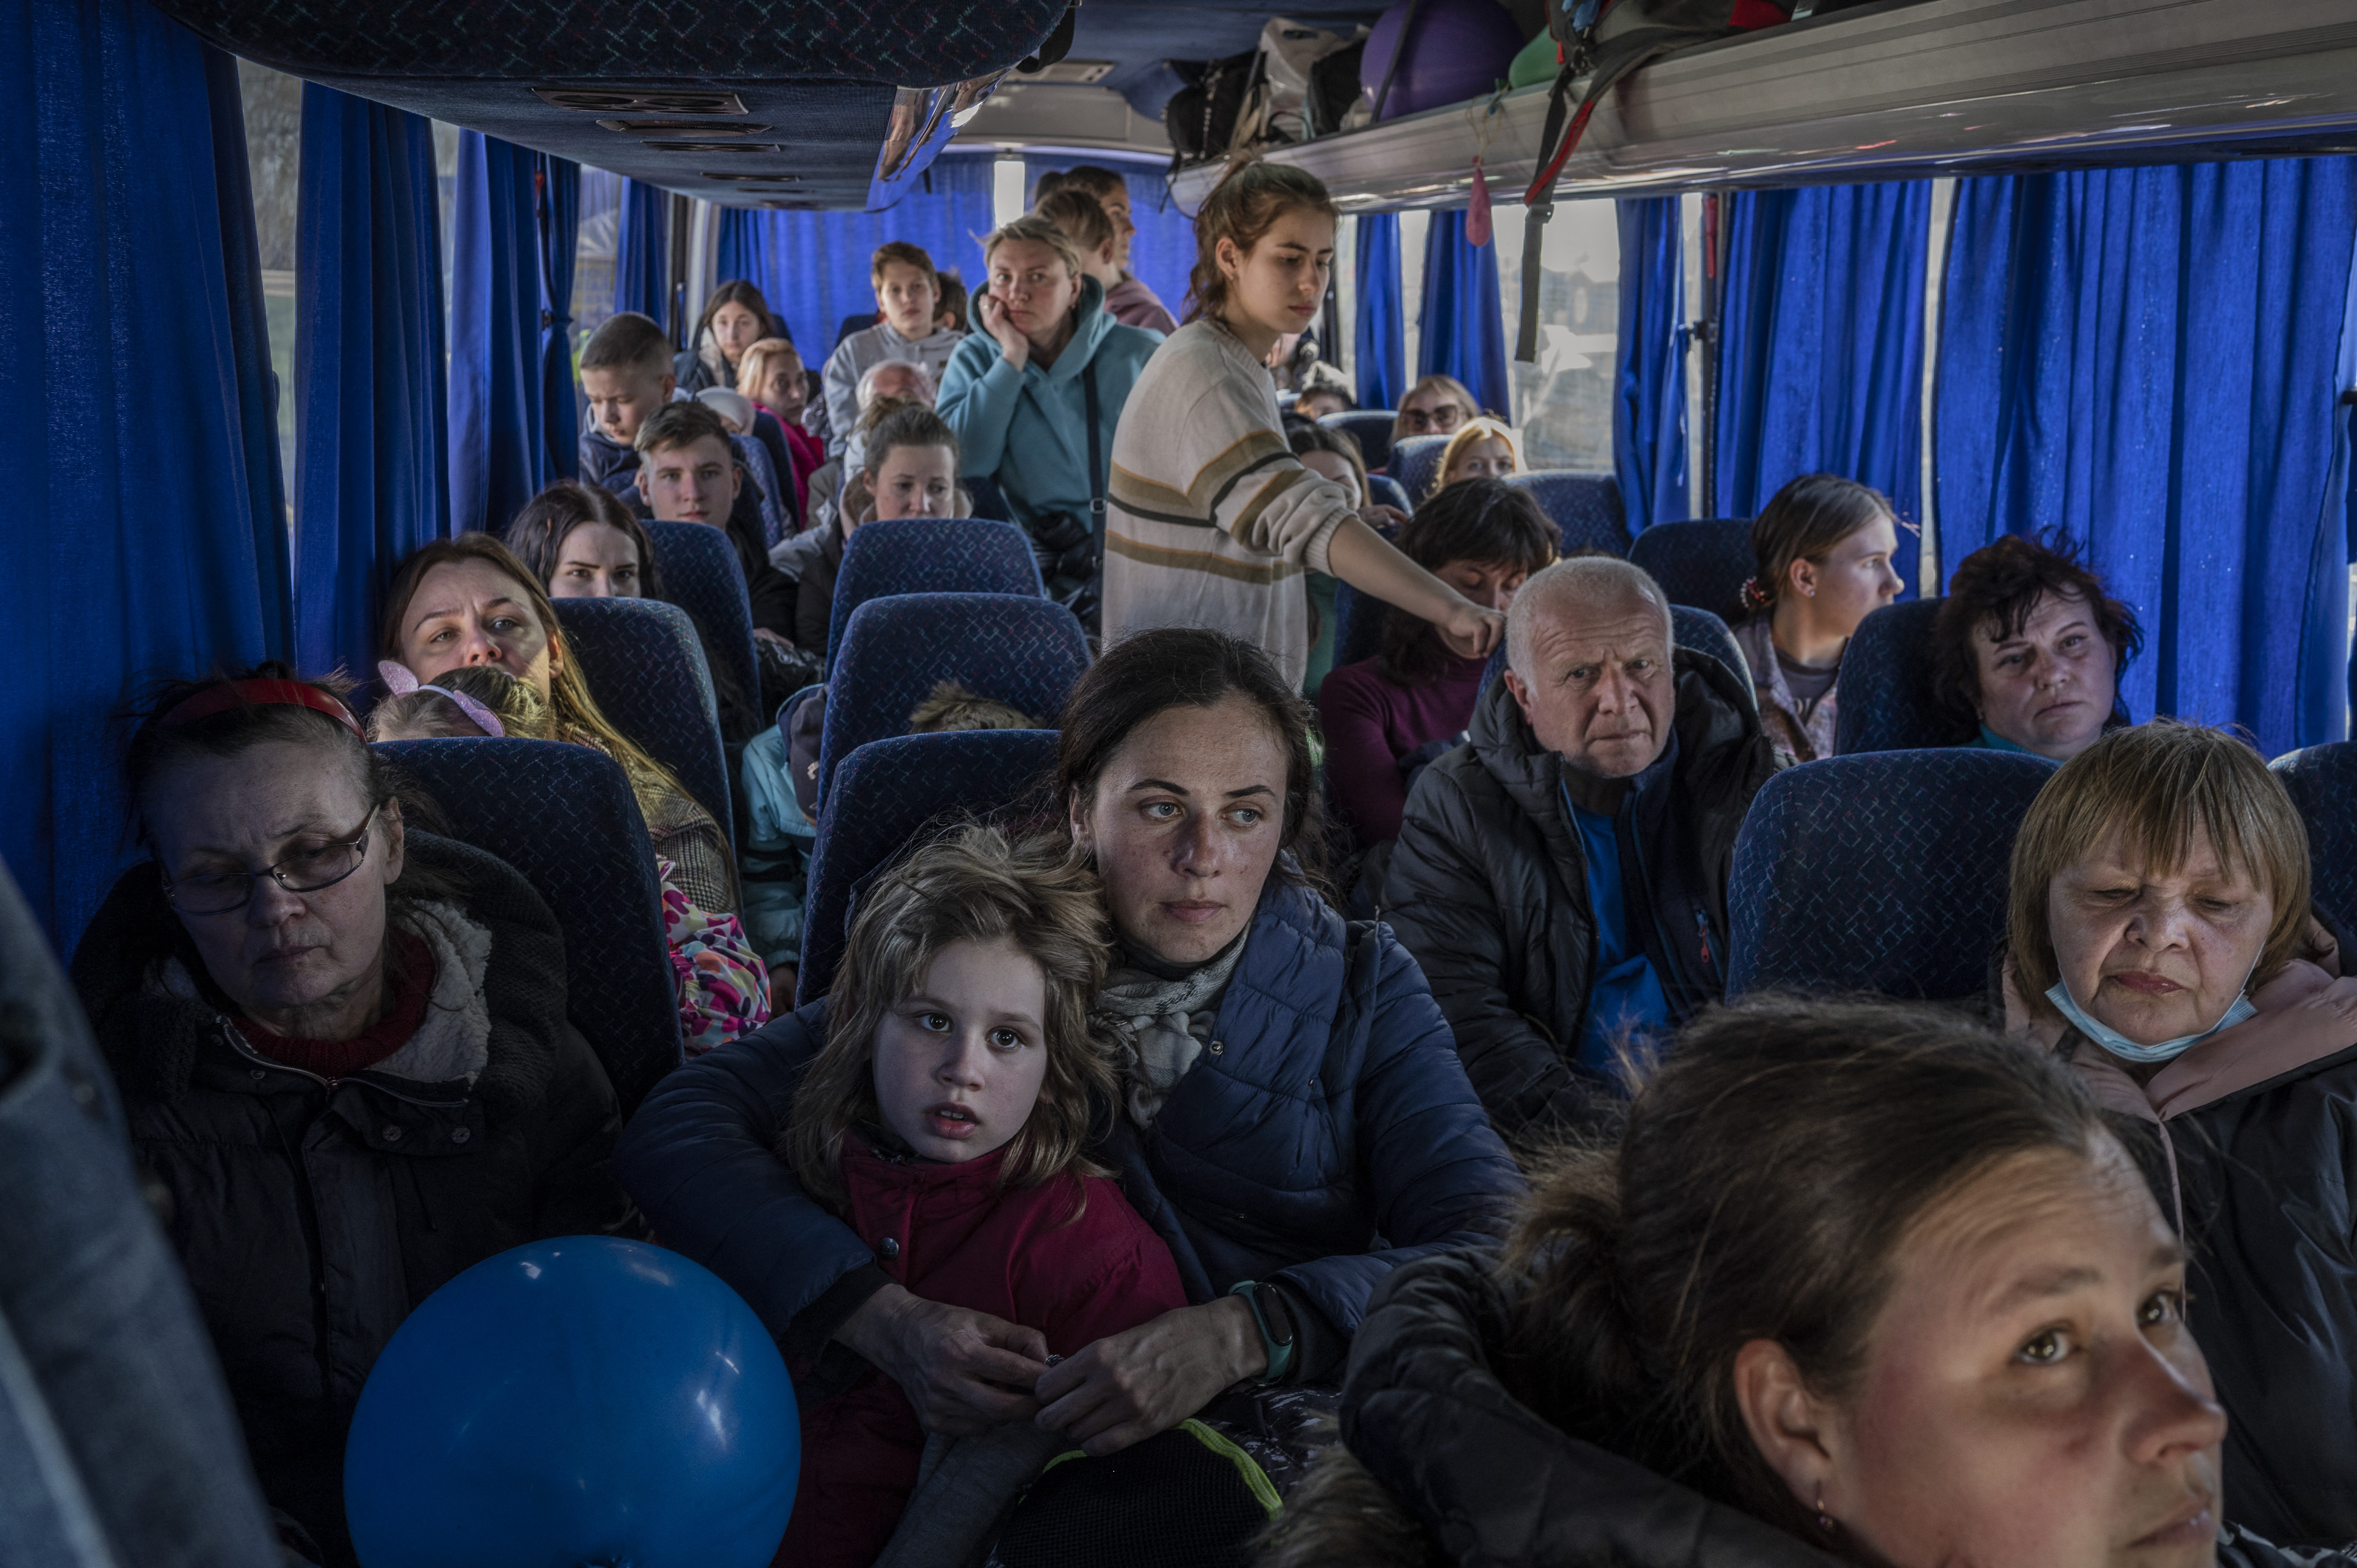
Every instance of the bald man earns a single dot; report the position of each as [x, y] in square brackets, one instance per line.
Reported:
[1563, 877]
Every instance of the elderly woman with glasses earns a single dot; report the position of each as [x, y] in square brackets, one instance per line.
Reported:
[344, 1057]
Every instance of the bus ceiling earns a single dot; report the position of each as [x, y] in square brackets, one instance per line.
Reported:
[1898, 90]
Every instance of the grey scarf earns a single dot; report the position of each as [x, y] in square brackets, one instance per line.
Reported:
[1158, 1025]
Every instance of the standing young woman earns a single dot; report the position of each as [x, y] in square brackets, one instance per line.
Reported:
[1824, 545]
[1212, 518]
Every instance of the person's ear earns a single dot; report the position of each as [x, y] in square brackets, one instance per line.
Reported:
[1228, 259]
[1076, 820]
[1792, 1429]
[1803, 576]
[639, 478]
[396, 841]
[670, 386]
[1521, 693]
[735, 481]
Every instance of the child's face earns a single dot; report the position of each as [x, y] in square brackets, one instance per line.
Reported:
[958, 1062]
[908, 298]
[694, 482]
[621, 398]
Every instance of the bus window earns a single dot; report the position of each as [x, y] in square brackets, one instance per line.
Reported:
[1563, 401]
[274, 157]
[594, 256]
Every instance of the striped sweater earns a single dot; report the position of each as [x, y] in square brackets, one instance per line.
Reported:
[1212, 520]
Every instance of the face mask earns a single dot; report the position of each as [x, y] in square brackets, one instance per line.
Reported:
[2120, 1046]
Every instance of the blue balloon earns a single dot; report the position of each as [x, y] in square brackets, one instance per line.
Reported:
[579, 1401]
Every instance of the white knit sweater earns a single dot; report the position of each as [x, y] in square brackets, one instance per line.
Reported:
[1212, 520]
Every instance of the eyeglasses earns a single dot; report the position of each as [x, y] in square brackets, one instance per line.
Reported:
[308, 872]
[1432, 420]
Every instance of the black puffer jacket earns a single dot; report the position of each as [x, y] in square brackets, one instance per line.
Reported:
[313, 1216]
[1486, 1480]
[1487, 888]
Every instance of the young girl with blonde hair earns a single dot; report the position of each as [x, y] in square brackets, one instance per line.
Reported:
[946, 1121]
[1212, 518]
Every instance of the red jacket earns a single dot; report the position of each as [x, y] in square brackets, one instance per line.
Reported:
[947, 1232]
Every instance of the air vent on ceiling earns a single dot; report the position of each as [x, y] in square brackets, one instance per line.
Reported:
[1083, 71]
[696, 127]
[648, 100]
[716, 147]
[751, 178]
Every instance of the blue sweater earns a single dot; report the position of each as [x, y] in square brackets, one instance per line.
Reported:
[1027, 429]
[1328, 1136]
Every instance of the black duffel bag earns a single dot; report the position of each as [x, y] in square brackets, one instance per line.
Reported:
[1202, 117]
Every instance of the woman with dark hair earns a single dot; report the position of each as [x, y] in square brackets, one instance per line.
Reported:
[1854, 1283]
[1824, 546]
[1385, 715]
[343, 1052]
[1292, 1116]
[2029, 649]
[735, 318]
[1210, 519]
[582, 543]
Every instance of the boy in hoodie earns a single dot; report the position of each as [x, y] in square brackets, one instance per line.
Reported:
[908, 297]
[626, 372]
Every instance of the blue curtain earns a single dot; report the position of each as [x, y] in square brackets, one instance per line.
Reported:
[149, 541]
[499, 455]
[1821, 347]
[1162, 252]
[1648, 404]
[642, 251]
[556, 210]
[2146, 358]
[813, 266]
[1379, 357]
[1463, 335]
[370, 415]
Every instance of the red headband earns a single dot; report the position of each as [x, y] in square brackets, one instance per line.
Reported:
[258, 694]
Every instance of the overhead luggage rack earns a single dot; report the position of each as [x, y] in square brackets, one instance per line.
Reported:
[1894, 91]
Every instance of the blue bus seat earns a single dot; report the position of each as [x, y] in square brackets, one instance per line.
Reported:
[647, 672]
[893, 791]
[1024, 651]
[700, 574]
[847, 327]
[1584, 508]
[1881, 872]
[764, 475]
[1384, 491]
[988, 501]
[563, 816]
[1369, 427]
[930, 555]
[1357, 619]
[1885, 701]
[2323, 784]
[1415, 465]
[1702, 564]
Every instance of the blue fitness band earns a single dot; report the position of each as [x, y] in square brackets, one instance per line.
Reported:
[1280, 1351]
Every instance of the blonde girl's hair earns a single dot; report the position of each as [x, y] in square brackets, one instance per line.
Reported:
[2157, 786]
[754, 368]
[422, 715]
[1482, 428]
[573, 713]
[1245, 205]
[1456, 391]
[975, 885]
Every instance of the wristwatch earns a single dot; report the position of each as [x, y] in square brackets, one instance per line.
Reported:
[1275, 1323]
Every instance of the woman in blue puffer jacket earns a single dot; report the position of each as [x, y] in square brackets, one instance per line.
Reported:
[1294, 1120]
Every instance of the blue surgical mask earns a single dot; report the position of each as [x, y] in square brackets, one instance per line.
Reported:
[2120, 1046]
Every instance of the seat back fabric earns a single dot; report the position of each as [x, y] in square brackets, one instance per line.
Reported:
[2323, 784]
[1585, 508]
[646, 669]
[1369, 427]
[1701, 563]
[701, 575]
[930, 555]
[1887, 703]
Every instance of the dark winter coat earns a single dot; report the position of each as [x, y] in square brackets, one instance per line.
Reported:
[814, 594]
[1325, 1137]
[313, 1216]
[1070, 1258]
[1469, 1474]
[1487, 886]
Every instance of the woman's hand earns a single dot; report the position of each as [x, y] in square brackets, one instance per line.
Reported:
[1126, 1387]
[1379, 516]
[764, 634]
[992, 312]
[965, 1371]
[1470, 631]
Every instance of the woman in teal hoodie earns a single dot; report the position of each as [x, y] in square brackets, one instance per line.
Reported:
[1019, 392]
